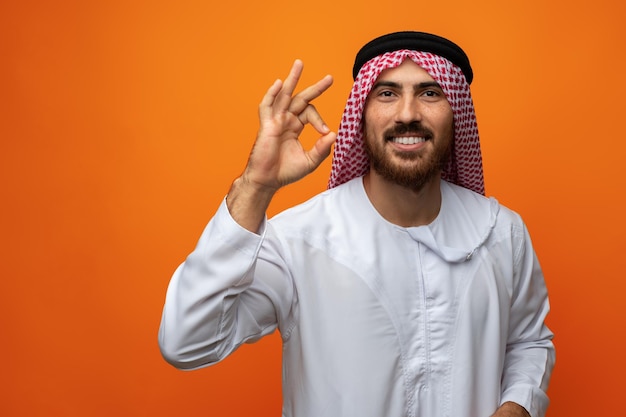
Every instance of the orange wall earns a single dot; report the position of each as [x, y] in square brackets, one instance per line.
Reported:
[123, 123]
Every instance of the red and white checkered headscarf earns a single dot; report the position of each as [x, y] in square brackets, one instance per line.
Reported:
[465, 166]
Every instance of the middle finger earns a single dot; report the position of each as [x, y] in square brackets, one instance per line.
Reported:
[300, 102]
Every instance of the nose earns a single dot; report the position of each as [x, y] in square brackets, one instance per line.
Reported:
[408, 110]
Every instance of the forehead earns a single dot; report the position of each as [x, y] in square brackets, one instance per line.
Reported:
[407, 71]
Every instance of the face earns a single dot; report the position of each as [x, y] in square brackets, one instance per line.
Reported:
[408, 126]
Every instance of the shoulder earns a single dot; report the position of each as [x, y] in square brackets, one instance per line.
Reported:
[324, 208]
[473, 204]
[468, 217]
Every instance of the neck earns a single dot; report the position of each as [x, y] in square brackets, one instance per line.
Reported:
[405, 207]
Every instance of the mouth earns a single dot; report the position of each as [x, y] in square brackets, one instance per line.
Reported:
[408, 140]
[408, 134]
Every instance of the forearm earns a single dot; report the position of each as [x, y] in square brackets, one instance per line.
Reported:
[527, 369]
[530, 352]
[217, 299]
[200, 323]
[247, 203]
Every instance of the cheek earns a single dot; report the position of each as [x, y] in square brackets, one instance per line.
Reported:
[445, 121]
[449, 126]
[374, 119]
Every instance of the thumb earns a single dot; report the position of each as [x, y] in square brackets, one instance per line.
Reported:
[321, 149]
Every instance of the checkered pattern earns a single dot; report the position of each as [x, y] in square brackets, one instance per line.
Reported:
[465, 166]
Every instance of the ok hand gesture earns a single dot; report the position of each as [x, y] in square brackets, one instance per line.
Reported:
[278, 158]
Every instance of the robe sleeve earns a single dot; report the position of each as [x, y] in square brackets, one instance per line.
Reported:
[223, 295]
[530, 352]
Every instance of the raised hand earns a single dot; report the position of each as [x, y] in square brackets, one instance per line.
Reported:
[278, 158]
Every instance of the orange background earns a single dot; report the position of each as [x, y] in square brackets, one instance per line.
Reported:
[123, 123]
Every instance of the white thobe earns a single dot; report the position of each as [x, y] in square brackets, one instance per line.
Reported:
[377, 320]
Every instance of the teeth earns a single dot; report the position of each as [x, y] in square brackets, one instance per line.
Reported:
[409, 141]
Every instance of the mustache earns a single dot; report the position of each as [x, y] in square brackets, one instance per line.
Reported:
[413, 128]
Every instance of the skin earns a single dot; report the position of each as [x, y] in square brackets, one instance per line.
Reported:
[404, 185]
[401, 95]
[511, 409]
[278, 158]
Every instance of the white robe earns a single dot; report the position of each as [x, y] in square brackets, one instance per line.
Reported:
[376, 320]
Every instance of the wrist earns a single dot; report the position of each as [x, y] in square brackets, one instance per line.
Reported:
[511, 409]
[247, 203]
[256, 189]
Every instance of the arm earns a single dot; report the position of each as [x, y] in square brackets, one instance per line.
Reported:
[215, 301]
[234, 286]
[529, 356]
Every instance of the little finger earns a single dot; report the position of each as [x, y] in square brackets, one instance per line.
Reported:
[265, 107]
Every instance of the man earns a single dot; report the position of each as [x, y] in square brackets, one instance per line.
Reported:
[399, 291]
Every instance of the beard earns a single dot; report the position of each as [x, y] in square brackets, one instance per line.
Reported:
[414, 169]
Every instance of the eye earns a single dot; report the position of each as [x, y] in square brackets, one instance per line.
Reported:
[432, 94]
[386, 93]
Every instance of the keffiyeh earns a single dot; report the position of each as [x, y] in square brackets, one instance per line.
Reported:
[465, 165]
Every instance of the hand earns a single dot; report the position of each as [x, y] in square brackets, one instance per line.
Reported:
[278, 158]
[511, 409]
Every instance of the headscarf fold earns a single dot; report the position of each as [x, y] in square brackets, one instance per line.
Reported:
[464, 167]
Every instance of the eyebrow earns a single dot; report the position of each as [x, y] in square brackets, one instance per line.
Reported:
[420, 86]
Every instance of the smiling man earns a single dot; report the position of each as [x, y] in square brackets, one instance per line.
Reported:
[408, 135]
[401, 290]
